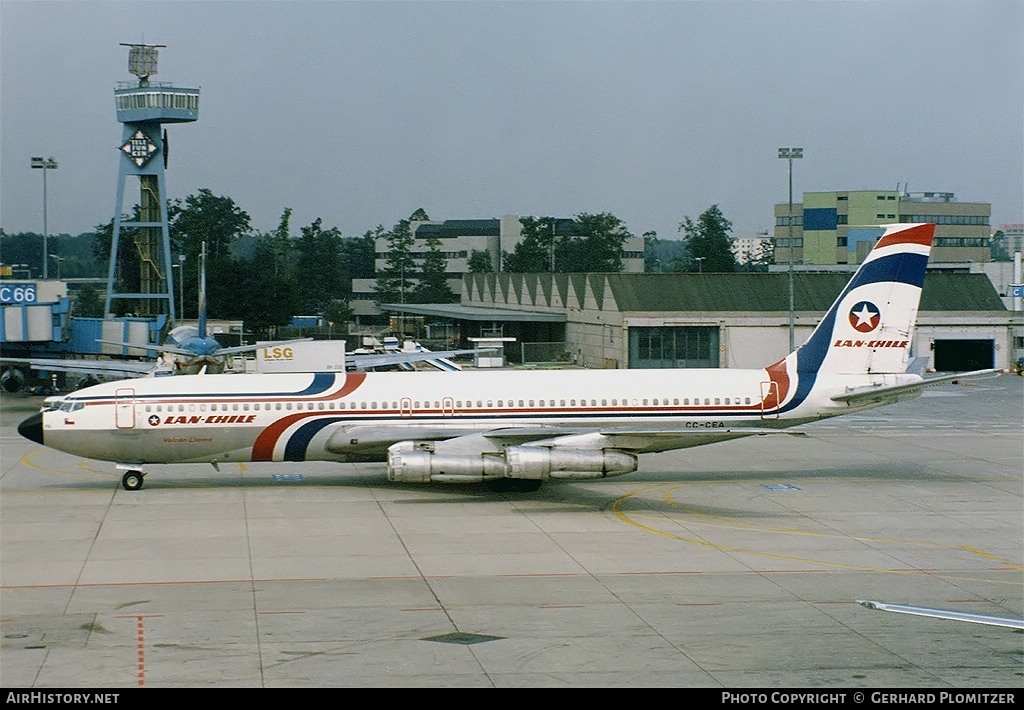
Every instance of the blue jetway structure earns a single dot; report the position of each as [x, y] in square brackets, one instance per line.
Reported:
[36, 324]
[36, 321]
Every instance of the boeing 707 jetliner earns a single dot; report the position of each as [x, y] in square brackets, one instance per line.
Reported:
[511, 429]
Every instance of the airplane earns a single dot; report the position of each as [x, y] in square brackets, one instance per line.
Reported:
[190, 350]
[197, 350]
[388, 354]
[512, 430]
[1009, 622]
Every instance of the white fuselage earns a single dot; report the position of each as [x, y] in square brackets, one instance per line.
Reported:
[356, 416]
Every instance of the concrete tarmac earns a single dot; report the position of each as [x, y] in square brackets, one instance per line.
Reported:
[736, 565]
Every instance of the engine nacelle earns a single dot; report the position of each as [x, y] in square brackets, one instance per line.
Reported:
[12, 380]
[539, 462]
[410, 464]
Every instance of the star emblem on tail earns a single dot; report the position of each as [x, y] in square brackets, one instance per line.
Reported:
[864, 317]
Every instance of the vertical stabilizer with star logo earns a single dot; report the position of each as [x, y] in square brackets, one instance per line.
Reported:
[870, 327]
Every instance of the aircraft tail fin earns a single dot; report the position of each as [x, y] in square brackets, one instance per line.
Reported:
[869, 329]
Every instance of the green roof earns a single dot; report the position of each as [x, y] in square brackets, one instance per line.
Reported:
[735, 292]
[815, 292]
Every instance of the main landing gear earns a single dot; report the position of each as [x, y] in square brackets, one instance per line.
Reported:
[132, 480]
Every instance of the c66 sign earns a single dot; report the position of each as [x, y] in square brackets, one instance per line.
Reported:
[17, 293]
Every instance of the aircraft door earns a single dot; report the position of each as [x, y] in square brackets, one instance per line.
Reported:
[406, 407]
[769, 400]
[124, 408]
[447, 406]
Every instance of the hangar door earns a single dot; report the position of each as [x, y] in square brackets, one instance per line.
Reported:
[957, 355]
[673, 346]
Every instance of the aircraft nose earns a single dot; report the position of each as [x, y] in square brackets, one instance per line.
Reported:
[32, 428]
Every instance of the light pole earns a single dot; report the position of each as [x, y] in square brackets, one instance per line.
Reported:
[180, 266]
[791, 154]
[44, 164]
[58, 259]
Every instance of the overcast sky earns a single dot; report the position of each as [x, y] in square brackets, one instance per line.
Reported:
[361, 112]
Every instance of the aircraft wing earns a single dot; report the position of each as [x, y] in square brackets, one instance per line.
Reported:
[893, 393]
[148, 347]
[367, 361]
[452, 439]
[248, 348]
[1008, 622]
[111, 368]
[178, 350]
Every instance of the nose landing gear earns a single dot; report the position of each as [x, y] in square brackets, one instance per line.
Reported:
[132, 480]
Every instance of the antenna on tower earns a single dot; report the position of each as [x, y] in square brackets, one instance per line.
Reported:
[142, 60]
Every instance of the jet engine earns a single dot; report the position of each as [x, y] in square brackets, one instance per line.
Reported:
[413, 462]
[13, 380]
[540, 462]
[409, 463]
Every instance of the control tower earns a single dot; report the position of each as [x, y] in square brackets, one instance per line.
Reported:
[143, 108]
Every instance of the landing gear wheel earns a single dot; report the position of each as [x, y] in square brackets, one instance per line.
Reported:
[132, 480]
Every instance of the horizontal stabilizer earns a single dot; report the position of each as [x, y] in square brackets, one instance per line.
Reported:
[884, 393]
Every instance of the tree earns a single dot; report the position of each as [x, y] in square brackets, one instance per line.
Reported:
[588, 243]
[88, 303]
[356, 259]
[394, 280]
[269, 299]
[479, 262]
[432, 286]
[707, 242]
[319, 264]
[276, 247]
[597, 246]
[217, 221]
[533, 252]
[999, 247]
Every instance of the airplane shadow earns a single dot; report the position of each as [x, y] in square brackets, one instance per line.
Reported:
[586, 494]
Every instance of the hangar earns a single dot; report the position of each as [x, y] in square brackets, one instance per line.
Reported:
[662, 320]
